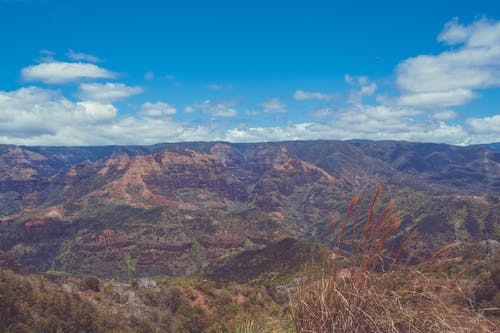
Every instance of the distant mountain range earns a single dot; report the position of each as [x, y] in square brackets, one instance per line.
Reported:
[495, 145]
[122, 211]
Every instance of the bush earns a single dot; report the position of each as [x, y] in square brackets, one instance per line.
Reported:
[90, 283]
[173, 299]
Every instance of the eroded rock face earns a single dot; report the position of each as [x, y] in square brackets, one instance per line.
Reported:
[172, 209]
[21, 164]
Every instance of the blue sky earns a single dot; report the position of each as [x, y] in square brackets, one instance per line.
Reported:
[143, 72]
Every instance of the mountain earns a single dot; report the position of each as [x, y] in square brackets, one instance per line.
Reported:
[126, 211]
[495, 145]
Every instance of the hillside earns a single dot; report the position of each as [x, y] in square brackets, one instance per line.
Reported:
[174, 209]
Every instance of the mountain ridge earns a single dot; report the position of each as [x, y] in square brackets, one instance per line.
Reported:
[176, 208]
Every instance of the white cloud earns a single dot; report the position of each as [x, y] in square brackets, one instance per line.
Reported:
[95, 111]
[485, 125]
[189, 109]
[63, 72]
[445, 115]
[304, 95]
[483, 130]
[224, 111]
[449, 78]
[448, 98]
[368, 90]
[322, 113]
[47, 56]
[356, 96]
[78, 56]
[274, 105]
[356, 80]
[454, 33]
[362, 87]
[260, 134]
[107, 92]
[28, 114]
[220, 109]
[482, 32]
[374, 120]
[157, 109]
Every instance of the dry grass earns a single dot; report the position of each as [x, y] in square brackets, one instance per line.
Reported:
[253, 326]
[369, 290]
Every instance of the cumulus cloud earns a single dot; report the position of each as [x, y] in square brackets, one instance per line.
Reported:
[30, 113]
[449, 78]
[482, 32]
[63, 72]
[304, 95]
[483, 130]
[485, 125]
[35, 116]
[93, 112]
[448, 98]
[107, 92]
[274, 105]
[157, 109]
[79, 56]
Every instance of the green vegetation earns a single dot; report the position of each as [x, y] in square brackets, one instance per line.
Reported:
[33, 303]
[275, 264]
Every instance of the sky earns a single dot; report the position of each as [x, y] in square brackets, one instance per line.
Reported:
[145, 72]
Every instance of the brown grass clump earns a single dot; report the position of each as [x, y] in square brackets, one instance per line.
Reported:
[366, 289]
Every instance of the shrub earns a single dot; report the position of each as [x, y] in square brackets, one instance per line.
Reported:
[90, 283]
[173, 299]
